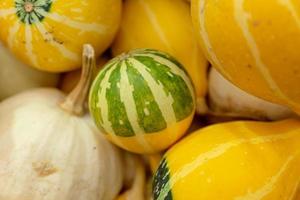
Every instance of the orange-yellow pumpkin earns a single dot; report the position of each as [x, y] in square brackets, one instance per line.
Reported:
[233, 161]
[254, 44]
[49, 34]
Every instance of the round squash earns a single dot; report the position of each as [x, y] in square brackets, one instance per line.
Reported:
[24, 77]
[143, 100]
[169, 30]
[49, 34]
[237, 160]
[254, 44]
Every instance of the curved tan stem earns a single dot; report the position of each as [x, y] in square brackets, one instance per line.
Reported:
[74, 102]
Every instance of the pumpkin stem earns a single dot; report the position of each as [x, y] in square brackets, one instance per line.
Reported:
[74, 102]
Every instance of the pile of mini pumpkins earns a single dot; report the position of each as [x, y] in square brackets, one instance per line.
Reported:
[149, 99]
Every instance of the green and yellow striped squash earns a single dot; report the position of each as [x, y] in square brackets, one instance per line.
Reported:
[49, 34]
[237, 160]
[254, 44]
[153, 29]
[144, 100]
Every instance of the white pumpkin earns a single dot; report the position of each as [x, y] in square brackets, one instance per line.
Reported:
[50, 151]
[225, 99]
[16, 76]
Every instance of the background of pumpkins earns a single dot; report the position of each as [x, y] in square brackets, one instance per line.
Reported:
[50, 148]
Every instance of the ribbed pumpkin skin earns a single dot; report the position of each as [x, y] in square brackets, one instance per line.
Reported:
[50, 37]
[237, 160]
[255, 44]
[144, 101]
[165, 25]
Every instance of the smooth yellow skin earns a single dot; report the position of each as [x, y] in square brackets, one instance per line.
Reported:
[164, 25]
[238, 160]
[55, 44]
[157, 141]
[254, 44]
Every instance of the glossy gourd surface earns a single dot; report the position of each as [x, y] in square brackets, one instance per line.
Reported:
[254, 44]
[236, 160]
[49, 34]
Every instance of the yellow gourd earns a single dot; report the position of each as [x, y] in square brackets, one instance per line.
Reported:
[239, 160]
[49, 34]
[164, 25]
[254, 44]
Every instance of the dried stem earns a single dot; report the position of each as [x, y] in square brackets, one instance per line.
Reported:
[74, 102]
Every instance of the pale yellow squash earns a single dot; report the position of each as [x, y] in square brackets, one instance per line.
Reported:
[164, 25]
[255, 44]
[51, 150]
[239, 160]
[49, 34]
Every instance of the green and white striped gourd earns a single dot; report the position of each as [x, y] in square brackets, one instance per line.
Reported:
[144, 100]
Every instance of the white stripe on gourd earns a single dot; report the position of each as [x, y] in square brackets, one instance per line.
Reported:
[7, 12]
[206, 40]
[12, 32]
[95, 105]
[270, 184]
[155, 22]
[49, 38]
[126, 96]
[83, 27]
[288, 4]
[104, 85]
[241, 18]
[174, 69]
[29, 47]
[294, 190]
[163, 100]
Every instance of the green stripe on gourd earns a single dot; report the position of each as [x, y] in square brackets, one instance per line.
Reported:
[149, 114]
[168, 57]
[94, 105]
[161, 182]
[173, 84]
[119, 120]
[141, 92]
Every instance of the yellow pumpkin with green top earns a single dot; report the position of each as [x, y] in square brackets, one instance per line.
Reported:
[254, 44]
[49, 34]
[241, 160]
